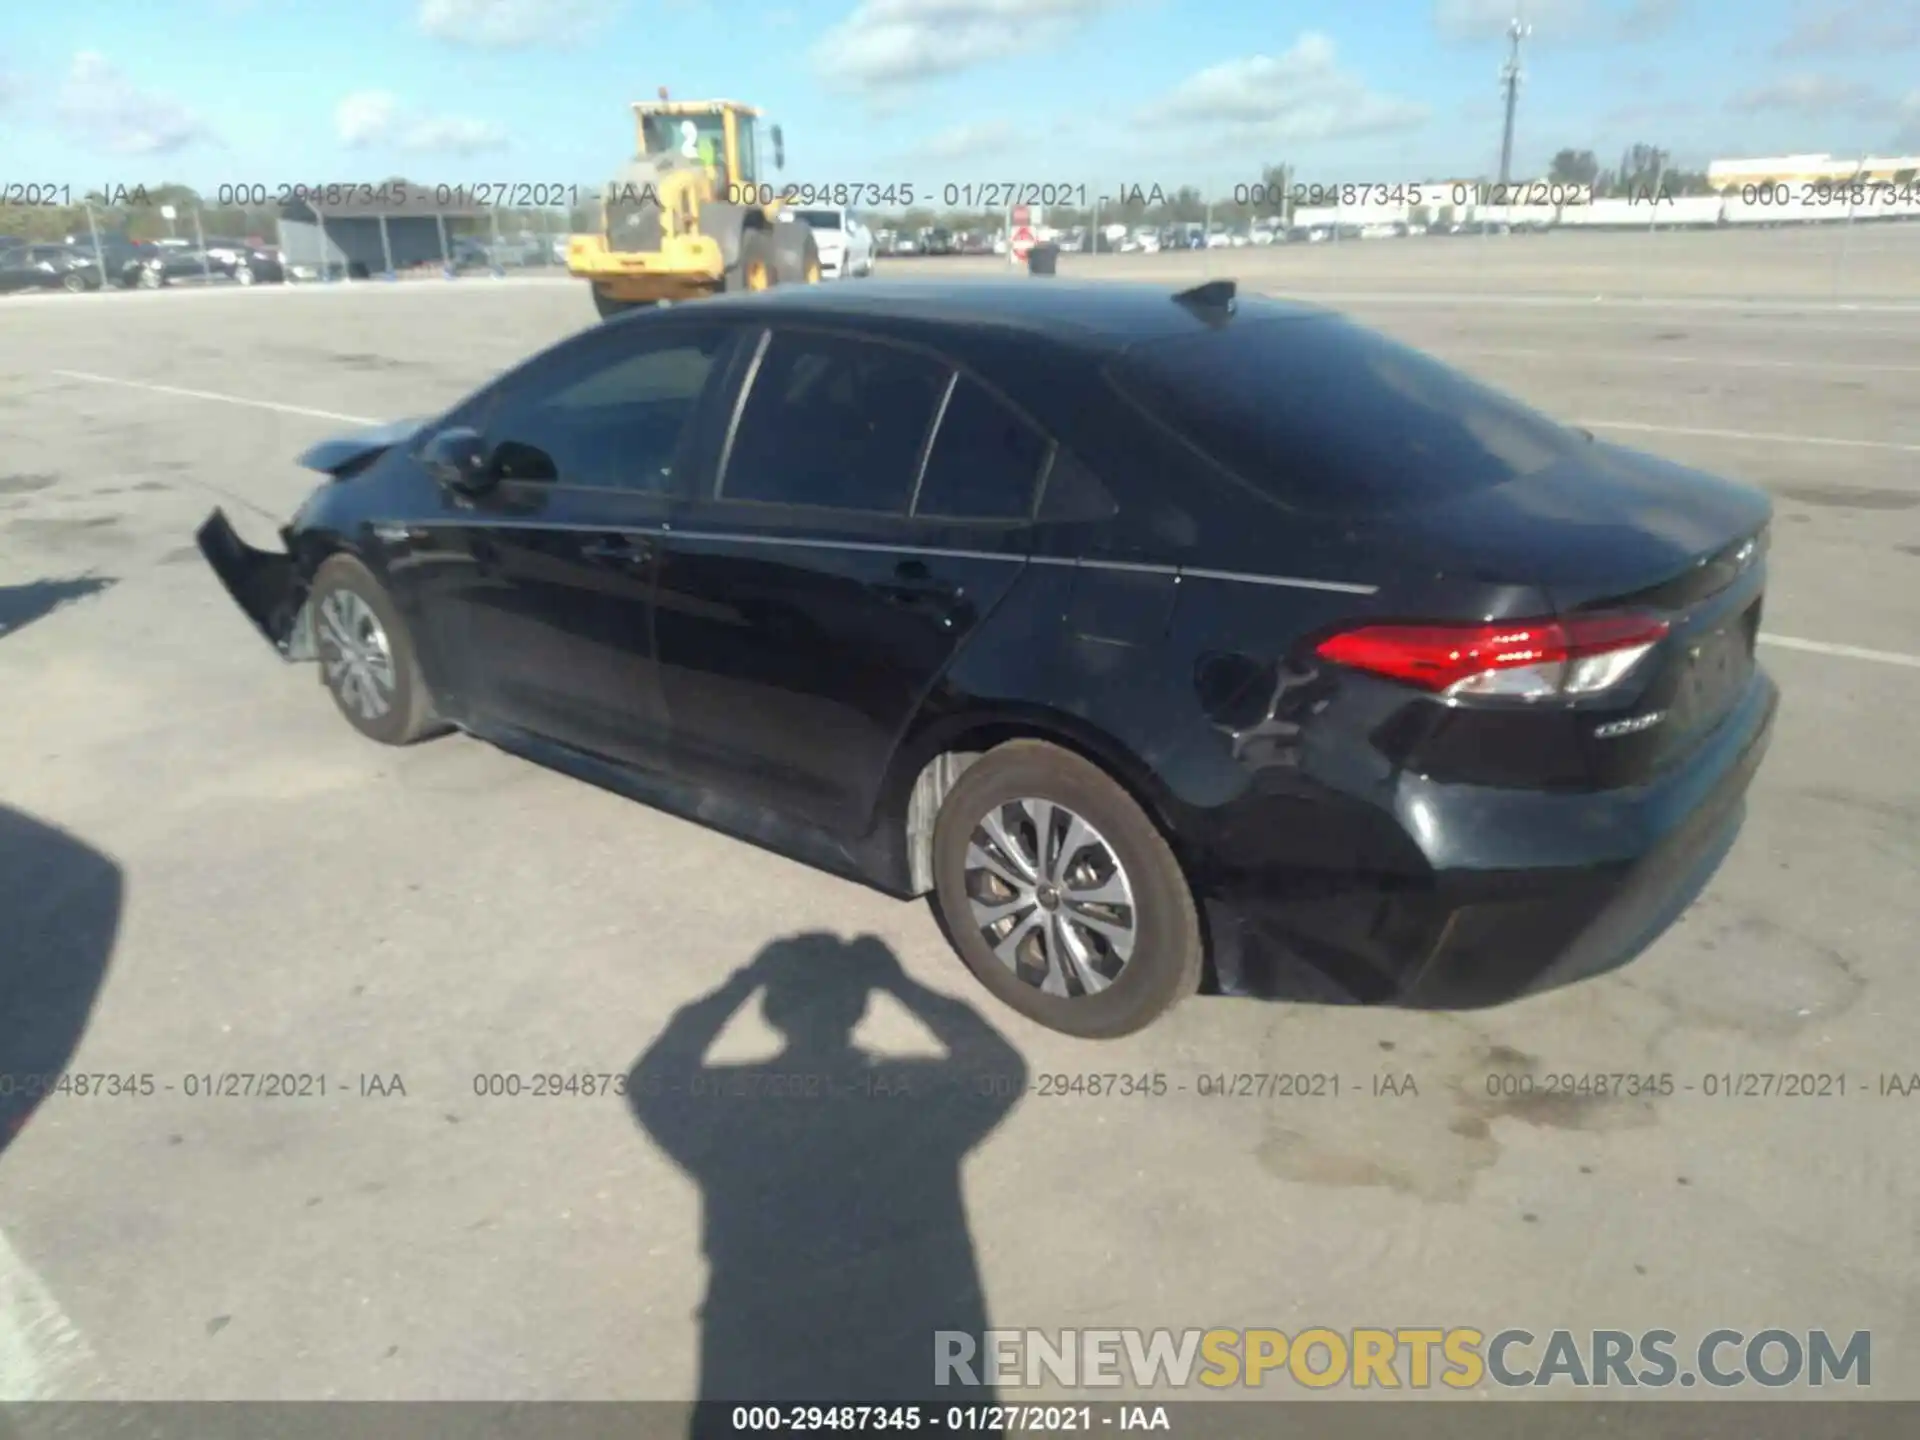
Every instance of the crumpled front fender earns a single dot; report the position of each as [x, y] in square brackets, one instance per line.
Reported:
[265, 584]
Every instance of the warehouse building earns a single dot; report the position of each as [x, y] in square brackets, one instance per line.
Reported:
[1818, 169]
[365, 230]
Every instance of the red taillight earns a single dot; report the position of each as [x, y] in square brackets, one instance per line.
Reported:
[1523, 659]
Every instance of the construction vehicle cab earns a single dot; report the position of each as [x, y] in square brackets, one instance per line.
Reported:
[694, 212]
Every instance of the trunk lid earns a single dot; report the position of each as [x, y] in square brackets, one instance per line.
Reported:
[1612, 529]
[1604, 526]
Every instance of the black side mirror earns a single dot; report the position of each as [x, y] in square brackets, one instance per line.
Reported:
[457, 459]
[779, 149]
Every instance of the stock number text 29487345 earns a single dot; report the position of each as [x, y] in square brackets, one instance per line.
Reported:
[855, 194]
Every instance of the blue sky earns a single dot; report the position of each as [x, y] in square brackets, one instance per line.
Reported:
[933, 92]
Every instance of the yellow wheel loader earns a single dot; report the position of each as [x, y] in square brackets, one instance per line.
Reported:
[692, 213]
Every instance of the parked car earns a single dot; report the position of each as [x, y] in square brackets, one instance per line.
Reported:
[247, 262]
[842, 238]
[47, 267]
[1165, 640]
[166, 262]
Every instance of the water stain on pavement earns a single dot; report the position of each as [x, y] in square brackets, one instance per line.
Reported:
[26, 484]
[67, 534]
[1479, 1084]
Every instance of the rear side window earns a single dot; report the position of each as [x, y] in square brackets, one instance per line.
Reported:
[835, 422]
[984, 463]
[1328, 417]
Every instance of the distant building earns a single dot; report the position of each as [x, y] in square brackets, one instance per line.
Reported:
[368, 229]
[1724, 175]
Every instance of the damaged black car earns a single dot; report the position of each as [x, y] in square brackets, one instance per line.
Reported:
[1168, 641]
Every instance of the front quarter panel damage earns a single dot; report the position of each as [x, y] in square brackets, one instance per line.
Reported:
[267, 585]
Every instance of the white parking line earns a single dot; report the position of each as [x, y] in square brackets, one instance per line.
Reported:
[1819, 647]
[1768, 436]
[1654, 357]
[42, 1355]
[274, 405]
[1588, 302]
[173, 293]
[1844, 652]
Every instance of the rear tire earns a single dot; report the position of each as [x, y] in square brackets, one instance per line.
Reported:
[367, 659]
[1114, 963]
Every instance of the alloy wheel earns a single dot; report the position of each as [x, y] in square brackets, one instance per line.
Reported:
[354, 652]
[1050, 897]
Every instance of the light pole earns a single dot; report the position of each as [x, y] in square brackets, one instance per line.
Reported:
[1510, 81]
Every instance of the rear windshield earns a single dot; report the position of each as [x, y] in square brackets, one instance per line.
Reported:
[821, 219]
[1326, 416]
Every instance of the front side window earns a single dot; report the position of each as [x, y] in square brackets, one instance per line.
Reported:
[833, 421]
[615, 421]
[749, 149]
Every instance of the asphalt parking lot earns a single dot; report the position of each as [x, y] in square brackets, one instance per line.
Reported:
[240, 884]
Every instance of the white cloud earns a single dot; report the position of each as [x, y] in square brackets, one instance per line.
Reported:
[1907, 138]
[100, 106]
[364, 117]
[1808, 95]
[453, 135]
[373, 117]
[966, 142]
[1840, 27]
[891, 43]
[508, 24]
[1300, 94]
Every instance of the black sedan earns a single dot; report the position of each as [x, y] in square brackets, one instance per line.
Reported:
[47, 267]
[246, 262]
[1167, 641]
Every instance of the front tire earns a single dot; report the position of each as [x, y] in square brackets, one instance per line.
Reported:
[367, 659]
[756, 267]
[1061, 895]
[607, 307]
[796, 254]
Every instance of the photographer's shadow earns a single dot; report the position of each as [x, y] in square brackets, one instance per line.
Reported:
[835, 1230]
[60, 904]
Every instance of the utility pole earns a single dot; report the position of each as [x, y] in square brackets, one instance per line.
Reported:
[1510, 81]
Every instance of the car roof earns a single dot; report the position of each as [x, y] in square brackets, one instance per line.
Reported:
[1104, 314]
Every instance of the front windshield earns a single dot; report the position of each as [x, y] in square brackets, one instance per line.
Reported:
[693, 137]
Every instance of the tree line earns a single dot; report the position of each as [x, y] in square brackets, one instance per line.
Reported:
[136, 213]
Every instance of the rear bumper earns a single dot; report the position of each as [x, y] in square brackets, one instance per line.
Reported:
[1614, 871]
[265, 584]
